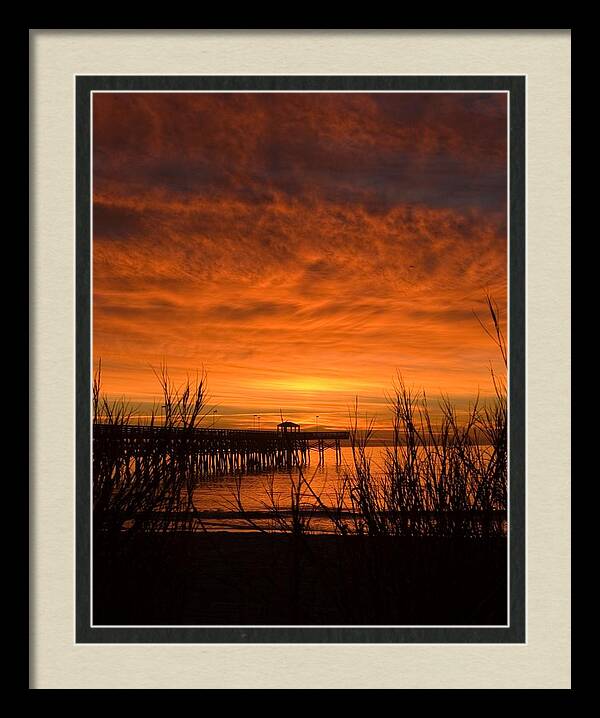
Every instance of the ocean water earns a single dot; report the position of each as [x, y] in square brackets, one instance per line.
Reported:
[217, 498]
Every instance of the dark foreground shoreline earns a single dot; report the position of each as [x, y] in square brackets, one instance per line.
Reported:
[257, 579]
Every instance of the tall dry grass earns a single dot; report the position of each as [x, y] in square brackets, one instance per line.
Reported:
[141, 485]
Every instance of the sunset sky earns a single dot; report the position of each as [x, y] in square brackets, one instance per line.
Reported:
[302, 248]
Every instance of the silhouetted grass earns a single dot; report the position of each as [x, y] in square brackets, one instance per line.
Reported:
[142, 485]
[439, 478]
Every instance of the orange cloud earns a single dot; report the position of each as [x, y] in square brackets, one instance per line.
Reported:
[302, 248]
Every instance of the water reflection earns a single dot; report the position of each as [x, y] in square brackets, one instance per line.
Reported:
[216, 501]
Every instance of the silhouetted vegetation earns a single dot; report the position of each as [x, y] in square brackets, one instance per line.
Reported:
[147, 485]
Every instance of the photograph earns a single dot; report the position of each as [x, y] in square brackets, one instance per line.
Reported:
[299, 362]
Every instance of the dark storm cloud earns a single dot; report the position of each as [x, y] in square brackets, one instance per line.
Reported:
[379, 150]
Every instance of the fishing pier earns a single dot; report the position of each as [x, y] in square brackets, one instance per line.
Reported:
[220, 451]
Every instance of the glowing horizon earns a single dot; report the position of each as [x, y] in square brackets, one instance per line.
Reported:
[302, 249]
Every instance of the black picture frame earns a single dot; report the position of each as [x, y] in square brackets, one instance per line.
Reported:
[515, 632]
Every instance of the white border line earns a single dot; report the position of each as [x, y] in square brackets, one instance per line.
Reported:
[507, 310]
[75, 360]
[91, 368]
[303, 74]
[299, 92]
[525, 370]
[91, 362]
